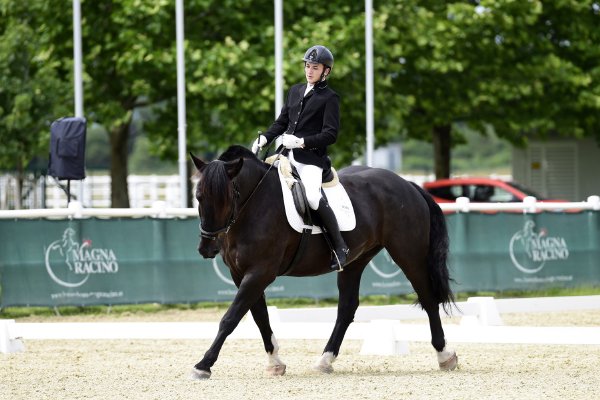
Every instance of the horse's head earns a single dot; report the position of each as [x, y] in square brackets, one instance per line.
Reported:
[216, 194]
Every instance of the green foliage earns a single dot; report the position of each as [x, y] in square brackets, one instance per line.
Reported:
[475, 153]
[143, 163]
[526, 68]
[97, 151]
[523, 67]
[32, 91]
[230, 64]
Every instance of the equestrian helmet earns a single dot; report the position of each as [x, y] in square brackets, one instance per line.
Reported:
[320, 55]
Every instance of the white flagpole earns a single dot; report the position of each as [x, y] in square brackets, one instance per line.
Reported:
[77, 73]
[369, 80]
[77, 59]
[181, 112]
[278, 56]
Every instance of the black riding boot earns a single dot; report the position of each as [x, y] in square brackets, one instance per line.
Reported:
[330, 224]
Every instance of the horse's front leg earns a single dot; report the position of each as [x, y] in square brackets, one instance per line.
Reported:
[348, 286]
[261, 316]
[250, 290]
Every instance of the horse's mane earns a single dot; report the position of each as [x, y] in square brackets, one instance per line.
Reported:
[235, 152]
[215, 183]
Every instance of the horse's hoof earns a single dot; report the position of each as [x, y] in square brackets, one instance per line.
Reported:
[325, 363]
[276, 370]
[323, 367]
[326, 369]
[450, 364]
[199, 375]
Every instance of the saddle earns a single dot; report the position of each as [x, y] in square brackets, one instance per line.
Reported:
[298, 212]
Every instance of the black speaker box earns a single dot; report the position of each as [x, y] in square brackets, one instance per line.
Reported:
[67, 148]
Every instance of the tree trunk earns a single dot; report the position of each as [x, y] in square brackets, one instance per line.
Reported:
[442, 141]
[19, 186]
[119, 196]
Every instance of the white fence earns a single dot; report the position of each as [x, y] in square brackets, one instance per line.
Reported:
[144, 190]
[33, 192]
[160, 209]
[151, 192]
[377, 326]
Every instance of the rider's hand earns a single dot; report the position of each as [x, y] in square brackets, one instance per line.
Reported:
[292, 142]
[258, 144]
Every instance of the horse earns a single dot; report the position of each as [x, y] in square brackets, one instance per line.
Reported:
[242, 217]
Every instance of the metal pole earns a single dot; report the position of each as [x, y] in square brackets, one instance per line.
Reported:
[369, 79]
[278, 56]
[77, 58]
[181, 120]
[77, 68]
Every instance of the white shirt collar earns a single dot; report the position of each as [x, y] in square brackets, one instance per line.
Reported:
[309, 86]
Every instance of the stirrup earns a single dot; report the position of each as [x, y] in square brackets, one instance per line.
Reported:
[336, 265]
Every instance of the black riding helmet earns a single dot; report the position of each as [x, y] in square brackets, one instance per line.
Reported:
[320, 55]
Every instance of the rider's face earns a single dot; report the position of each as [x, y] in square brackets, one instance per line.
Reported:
[313, 72]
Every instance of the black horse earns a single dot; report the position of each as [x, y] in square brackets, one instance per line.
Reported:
[242, 217]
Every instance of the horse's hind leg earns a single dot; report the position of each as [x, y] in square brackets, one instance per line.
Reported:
[447, 358]
[416, 273]
[348, 285]
[261, 316]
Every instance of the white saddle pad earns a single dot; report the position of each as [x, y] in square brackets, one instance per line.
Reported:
[336, 195]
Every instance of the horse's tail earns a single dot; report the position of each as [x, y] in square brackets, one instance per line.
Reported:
[437, 256]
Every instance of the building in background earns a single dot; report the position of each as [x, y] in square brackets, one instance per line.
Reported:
[559, 168]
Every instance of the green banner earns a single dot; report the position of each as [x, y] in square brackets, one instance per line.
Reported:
[140, 260]
[532, 251]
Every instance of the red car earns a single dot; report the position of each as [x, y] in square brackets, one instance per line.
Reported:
[479, 190]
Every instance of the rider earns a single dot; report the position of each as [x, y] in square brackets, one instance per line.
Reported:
[309, 122]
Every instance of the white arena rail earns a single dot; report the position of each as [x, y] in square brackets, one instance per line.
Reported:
[378, 327]
[159, 209]
[529, 205]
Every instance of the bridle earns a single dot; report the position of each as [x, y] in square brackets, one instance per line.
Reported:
[212, 235]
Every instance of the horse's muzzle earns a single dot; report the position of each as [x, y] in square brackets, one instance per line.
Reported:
[208, 251]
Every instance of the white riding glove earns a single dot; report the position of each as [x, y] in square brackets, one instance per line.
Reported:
[292, 142]
[258, 144]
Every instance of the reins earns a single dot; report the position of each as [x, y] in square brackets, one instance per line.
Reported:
[212, 235]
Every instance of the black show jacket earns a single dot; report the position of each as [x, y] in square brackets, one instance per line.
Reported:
[314, 117]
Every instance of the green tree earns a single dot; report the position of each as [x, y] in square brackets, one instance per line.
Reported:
[526, 68]
[33, 91]
[129, 62]
[230, 71]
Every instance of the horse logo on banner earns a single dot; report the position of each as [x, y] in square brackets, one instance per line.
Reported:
[70, 263]
[529, 250]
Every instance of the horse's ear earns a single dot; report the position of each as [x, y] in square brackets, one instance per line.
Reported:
[197, 162]
[233, 167]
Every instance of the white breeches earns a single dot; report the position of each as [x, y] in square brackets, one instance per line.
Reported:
[312, 178]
